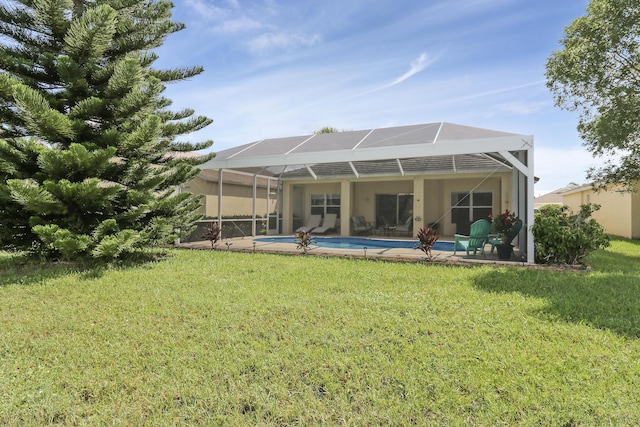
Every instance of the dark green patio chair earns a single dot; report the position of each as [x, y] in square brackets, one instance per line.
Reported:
[475, 241]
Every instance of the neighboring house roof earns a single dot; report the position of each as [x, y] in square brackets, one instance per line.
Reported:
[403, 150]
[548, 199]
[576, 188]
[555, 197]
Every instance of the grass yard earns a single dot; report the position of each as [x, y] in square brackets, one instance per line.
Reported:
[224, 338]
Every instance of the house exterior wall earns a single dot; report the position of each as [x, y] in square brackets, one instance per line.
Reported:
[431, 202]
[635, 215]
[434, 199]
[297, 206]
[435, 203]
[238, 198]
[573, 200]
[476, 183]
[316, 188]
[365, 194]
[615, 213]
[358, 197]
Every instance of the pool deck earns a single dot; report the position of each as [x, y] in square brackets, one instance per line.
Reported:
[248, 244]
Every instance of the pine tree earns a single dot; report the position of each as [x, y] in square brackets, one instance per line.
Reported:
[89, 156]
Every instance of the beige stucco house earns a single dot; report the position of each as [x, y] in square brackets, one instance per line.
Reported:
[619, 212]
[237, 193]
[243, 213]
[553, 198]
[420, 174]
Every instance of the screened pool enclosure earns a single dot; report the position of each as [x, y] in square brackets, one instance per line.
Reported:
[405, 176]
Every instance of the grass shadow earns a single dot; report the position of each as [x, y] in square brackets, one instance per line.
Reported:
[19, 269]
[623, 256]
[609, 300]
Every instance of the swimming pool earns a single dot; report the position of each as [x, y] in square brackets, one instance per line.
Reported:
[357, 243]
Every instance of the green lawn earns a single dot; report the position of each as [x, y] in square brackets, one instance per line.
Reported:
[225, 338]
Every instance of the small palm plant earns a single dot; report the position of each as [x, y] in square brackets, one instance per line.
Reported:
[427, 237]
[213, 234]
[304, 240]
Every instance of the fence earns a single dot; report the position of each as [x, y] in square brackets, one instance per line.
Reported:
[231, 227]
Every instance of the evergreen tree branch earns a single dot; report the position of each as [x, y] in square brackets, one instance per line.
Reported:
[90, 35]
[40, 119]
[180, 128]
[189, 146]
[177, 74]
[96, 176]
[34, 198]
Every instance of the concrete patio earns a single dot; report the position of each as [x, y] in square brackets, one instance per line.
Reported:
[249, 244]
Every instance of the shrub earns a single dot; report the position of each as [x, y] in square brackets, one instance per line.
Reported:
[304, 240]
[565, 238]
[427, 237]
[213, 233]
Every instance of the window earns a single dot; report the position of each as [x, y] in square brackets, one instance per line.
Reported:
[467, 207]
[322, 204]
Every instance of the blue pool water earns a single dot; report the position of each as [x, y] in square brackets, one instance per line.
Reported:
[358, 243]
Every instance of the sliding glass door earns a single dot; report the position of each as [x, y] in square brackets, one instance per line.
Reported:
[393, 209]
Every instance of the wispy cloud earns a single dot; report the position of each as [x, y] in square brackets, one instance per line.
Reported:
[419, 64]
[524, 108]
[416, 66]
[259, 28]
[500, 90]
[241, 24]
[207, 10]
[229, 19]
[274, 41]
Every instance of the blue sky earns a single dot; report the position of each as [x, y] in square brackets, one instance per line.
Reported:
[288, 67]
